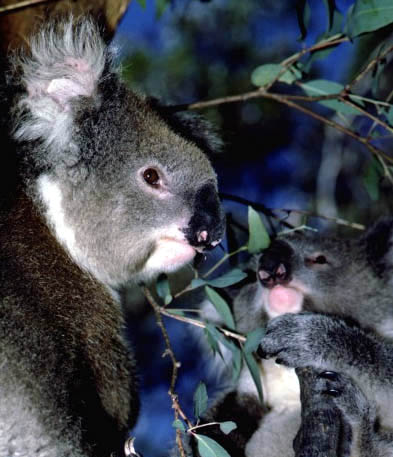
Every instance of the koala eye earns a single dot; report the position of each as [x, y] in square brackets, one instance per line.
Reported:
[317, 259]
[151, 177]
[321, 259]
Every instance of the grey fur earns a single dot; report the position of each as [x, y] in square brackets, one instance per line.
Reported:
[84, 218]
[355, 282]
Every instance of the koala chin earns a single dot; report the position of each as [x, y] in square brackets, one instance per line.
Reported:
[104, 189]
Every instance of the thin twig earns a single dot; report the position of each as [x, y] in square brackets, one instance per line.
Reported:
[201, 324]
[337, 220]
[368, 68]
[24, 4]
[365, 113]
[223, 259]
[289, 61]
[365, 141]
[175, 368]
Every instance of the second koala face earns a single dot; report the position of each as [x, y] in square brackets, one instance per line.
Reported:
[345, 277]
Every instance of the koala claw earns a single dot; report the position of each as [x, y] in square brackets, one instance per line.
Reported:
[332, 392]
[331, 375]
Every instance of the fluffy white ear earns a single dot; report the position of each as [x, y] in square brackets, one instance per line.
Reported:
[66, 61]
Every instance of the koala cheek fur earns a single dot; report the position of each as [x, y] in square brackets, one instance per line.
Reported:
[107, 190]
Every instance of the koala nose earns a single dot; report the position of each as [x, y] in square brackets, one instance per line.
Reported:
[206, 226]
[277, 275]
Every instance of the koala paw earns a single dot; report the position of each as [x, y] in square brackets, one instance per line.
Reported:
[303, 340]
[346, 395]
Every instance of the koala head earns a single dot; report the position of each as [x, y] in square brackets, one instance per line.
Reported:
[346, 277]
[125, 193]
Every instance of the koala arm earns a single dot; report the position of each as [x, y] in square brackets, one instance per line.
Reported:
[328, 343]
[337, 418]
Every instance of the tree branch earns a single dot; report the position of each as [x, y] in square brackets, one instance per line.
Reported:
[175, 368]
[20, 5]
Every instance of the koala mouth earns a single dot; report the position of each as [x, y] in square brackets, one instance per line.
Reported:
[284, 299]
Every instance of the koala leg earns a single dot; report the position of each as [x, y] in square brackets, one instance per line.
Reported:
[320, 431]
[338, 419]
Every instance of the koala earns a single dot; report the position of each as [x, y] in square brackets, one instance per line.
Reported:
[327, 304]
[105, 191]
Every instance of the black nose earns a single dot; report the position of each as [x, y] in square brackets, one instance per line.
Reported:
[207, 224]
[275, 265]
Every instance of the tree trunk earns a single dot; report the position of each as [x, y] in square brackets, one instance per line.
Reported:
[24, 16]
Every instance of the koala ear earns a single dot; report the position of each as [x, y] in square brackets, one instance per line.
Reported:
[191, 126]
[378, 243]
[66, 61]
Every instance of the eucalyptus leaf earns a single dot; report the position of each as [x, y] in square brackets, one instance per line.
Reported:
[253, 340]
[179, 425]
[200, 400]
[259, 238]
[236, 365]
[218, 336]
[227, 427]
[177, 312]
[303, 13]
[255, 373]
[207, 447]
[265, 74]
[371, 179]
[368, 15]
[389, 116]
[212, 340]
[221, 307]
[227, 279]
[318, 87]
[161, 6]
[163, 289]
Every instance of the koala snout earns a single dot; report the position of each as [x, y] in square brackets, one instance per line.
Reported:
[276, 275]
[206, 226]
[275, 264]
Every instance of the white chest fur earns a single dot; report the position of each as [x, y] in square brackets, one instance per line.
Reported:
[280, 386]
[278, 428]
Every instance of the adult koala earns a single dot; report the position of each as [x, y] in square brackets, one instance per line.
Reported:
[106, 192]
[351, 360]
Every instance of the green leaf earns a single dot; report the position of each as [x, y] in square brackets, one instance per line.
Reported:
[163, 289]
[200, 400]
[221, 306]
[389, 116]
[259, 238]
[179, 425]
[318, 87]
[227, 427]
[368, 15]
[228, 279]
[265, 74]
[255, 372]
[177, 312]
[212, 341]
[236, 364]
[207, 447]
[218, 336]
[142, 3]
[161, 6]
[371, 179]
[253, 340]
[303, 14]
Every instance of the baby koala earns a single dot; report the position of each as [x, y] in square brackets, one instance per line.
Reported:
[328, 305]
